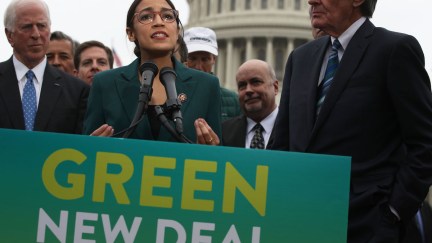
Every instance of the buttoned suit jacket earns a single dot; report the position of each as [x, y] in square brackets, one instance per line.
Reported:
[114, 97]
[378, 111]
[62, 101]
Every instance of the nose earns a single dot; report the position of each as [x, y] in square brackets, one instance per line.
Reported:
[55, 60]
[95, 65]
[35, 34]
[249, 89]
[313, 2]
[196, 64]
[157, 19]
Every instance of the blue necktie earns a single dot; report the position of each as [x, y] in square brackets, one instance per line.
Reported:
[332, 65]
[29, 102]
[419, 222]
[257, 141]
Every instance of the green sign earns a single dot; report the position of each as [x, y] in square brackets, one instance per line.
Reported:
[76, 188]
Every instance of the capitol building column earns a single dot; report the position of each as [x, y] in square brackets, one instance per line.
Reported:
[252, 29]
[290, 47]
[249, 48]
[229, 74]
[270, 51]
[220, 67]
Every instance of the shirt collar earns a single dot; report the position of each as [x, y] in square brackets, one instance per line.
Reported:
[22, 69]
[347, 35]
[267, 123]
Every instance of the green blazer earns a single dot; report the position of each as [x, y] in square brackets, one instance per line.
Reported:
[114, 96]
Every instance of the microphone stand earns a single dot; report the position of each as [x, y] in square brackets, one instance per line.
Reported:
[149, 70]
[173, 104]
[163, 119]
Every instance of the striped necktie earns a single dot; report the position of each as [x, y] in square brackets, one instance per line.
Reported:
[29, 102]
[332, 65]
[257, 141]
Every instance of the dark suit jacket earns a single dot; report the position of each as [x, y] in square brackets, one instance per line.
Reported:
[114, 97]
[62, 101]
[378, 111]
[234, 132]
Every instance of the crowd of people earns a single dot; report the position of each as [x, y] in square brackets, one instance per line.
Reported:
[356, 90]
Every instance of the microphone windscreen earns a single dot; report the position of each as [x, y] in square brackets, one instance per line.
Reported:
[149, 66]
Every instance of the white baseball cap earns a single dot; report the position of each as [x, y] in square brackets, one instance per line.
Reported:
[201, 39]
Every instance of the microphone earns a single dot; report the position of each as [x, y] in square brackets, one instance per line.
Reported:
[149, 70]
[168, 77]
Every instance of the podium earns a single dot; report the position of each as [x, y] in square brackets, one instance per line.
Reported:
[76, 188]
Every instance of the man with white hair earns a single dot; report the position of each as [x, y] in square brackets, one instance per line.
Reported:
[202, 53]
[33, 94]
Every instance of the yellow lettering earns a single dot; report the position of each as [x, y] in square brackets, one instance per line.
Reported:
[102, 177]
[192, 184]
[150, 181]
[233, 181]
[77, 181]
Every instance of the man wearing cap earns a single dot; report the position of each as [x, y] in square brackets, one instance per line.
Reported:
[202, 52]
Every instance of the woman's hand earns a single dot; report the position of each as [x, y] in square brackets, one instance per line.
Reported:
[103, 131]
[205, 134]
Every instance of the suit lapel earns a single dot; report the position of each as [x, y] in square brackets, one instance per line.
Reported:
[240, 132]
[241, 140]
[304, 87]
[127, 86]
[184, 83]
[311, 88]
[349, 63]
[9, 93]
[50, 93]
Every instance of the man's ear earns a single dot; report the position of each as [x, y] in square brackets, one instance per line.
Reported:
[9, 37]
[358, 3]
[276, 86]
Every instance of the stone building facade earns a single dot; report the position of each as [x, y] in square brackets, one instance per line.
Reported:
[246, 29]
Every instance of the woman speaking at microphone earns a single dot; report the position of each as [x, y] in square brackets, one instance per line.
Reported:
[154, 26]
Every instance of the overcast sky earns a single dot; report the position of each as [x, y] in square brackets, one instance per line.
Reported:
[104, 20]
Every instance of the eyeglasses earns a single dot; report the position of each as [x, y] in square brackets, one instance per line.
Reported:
[147, 16]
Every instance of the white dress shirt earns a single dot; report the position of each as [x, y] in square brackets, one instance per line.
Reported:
[21, 70]
[267, 123]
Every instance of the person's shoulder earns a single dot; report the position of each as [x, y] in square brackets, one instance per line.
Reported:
[228, 92]
[390, 40]
[201, 74]
[128, 70]
[110, 72]
[381, 31]
[6, 65]
[312, 45]
[68, 79]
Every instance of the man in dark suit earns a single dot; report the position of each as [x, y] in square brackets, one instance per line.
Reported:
[33, 94]
[373, 104]
[257, 88]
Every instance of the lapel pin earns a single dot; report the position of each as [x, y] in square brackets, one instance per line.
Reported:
[182, 97]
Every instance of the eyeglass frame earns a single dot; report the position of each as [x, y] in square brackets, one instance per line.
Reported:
[176, 14]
